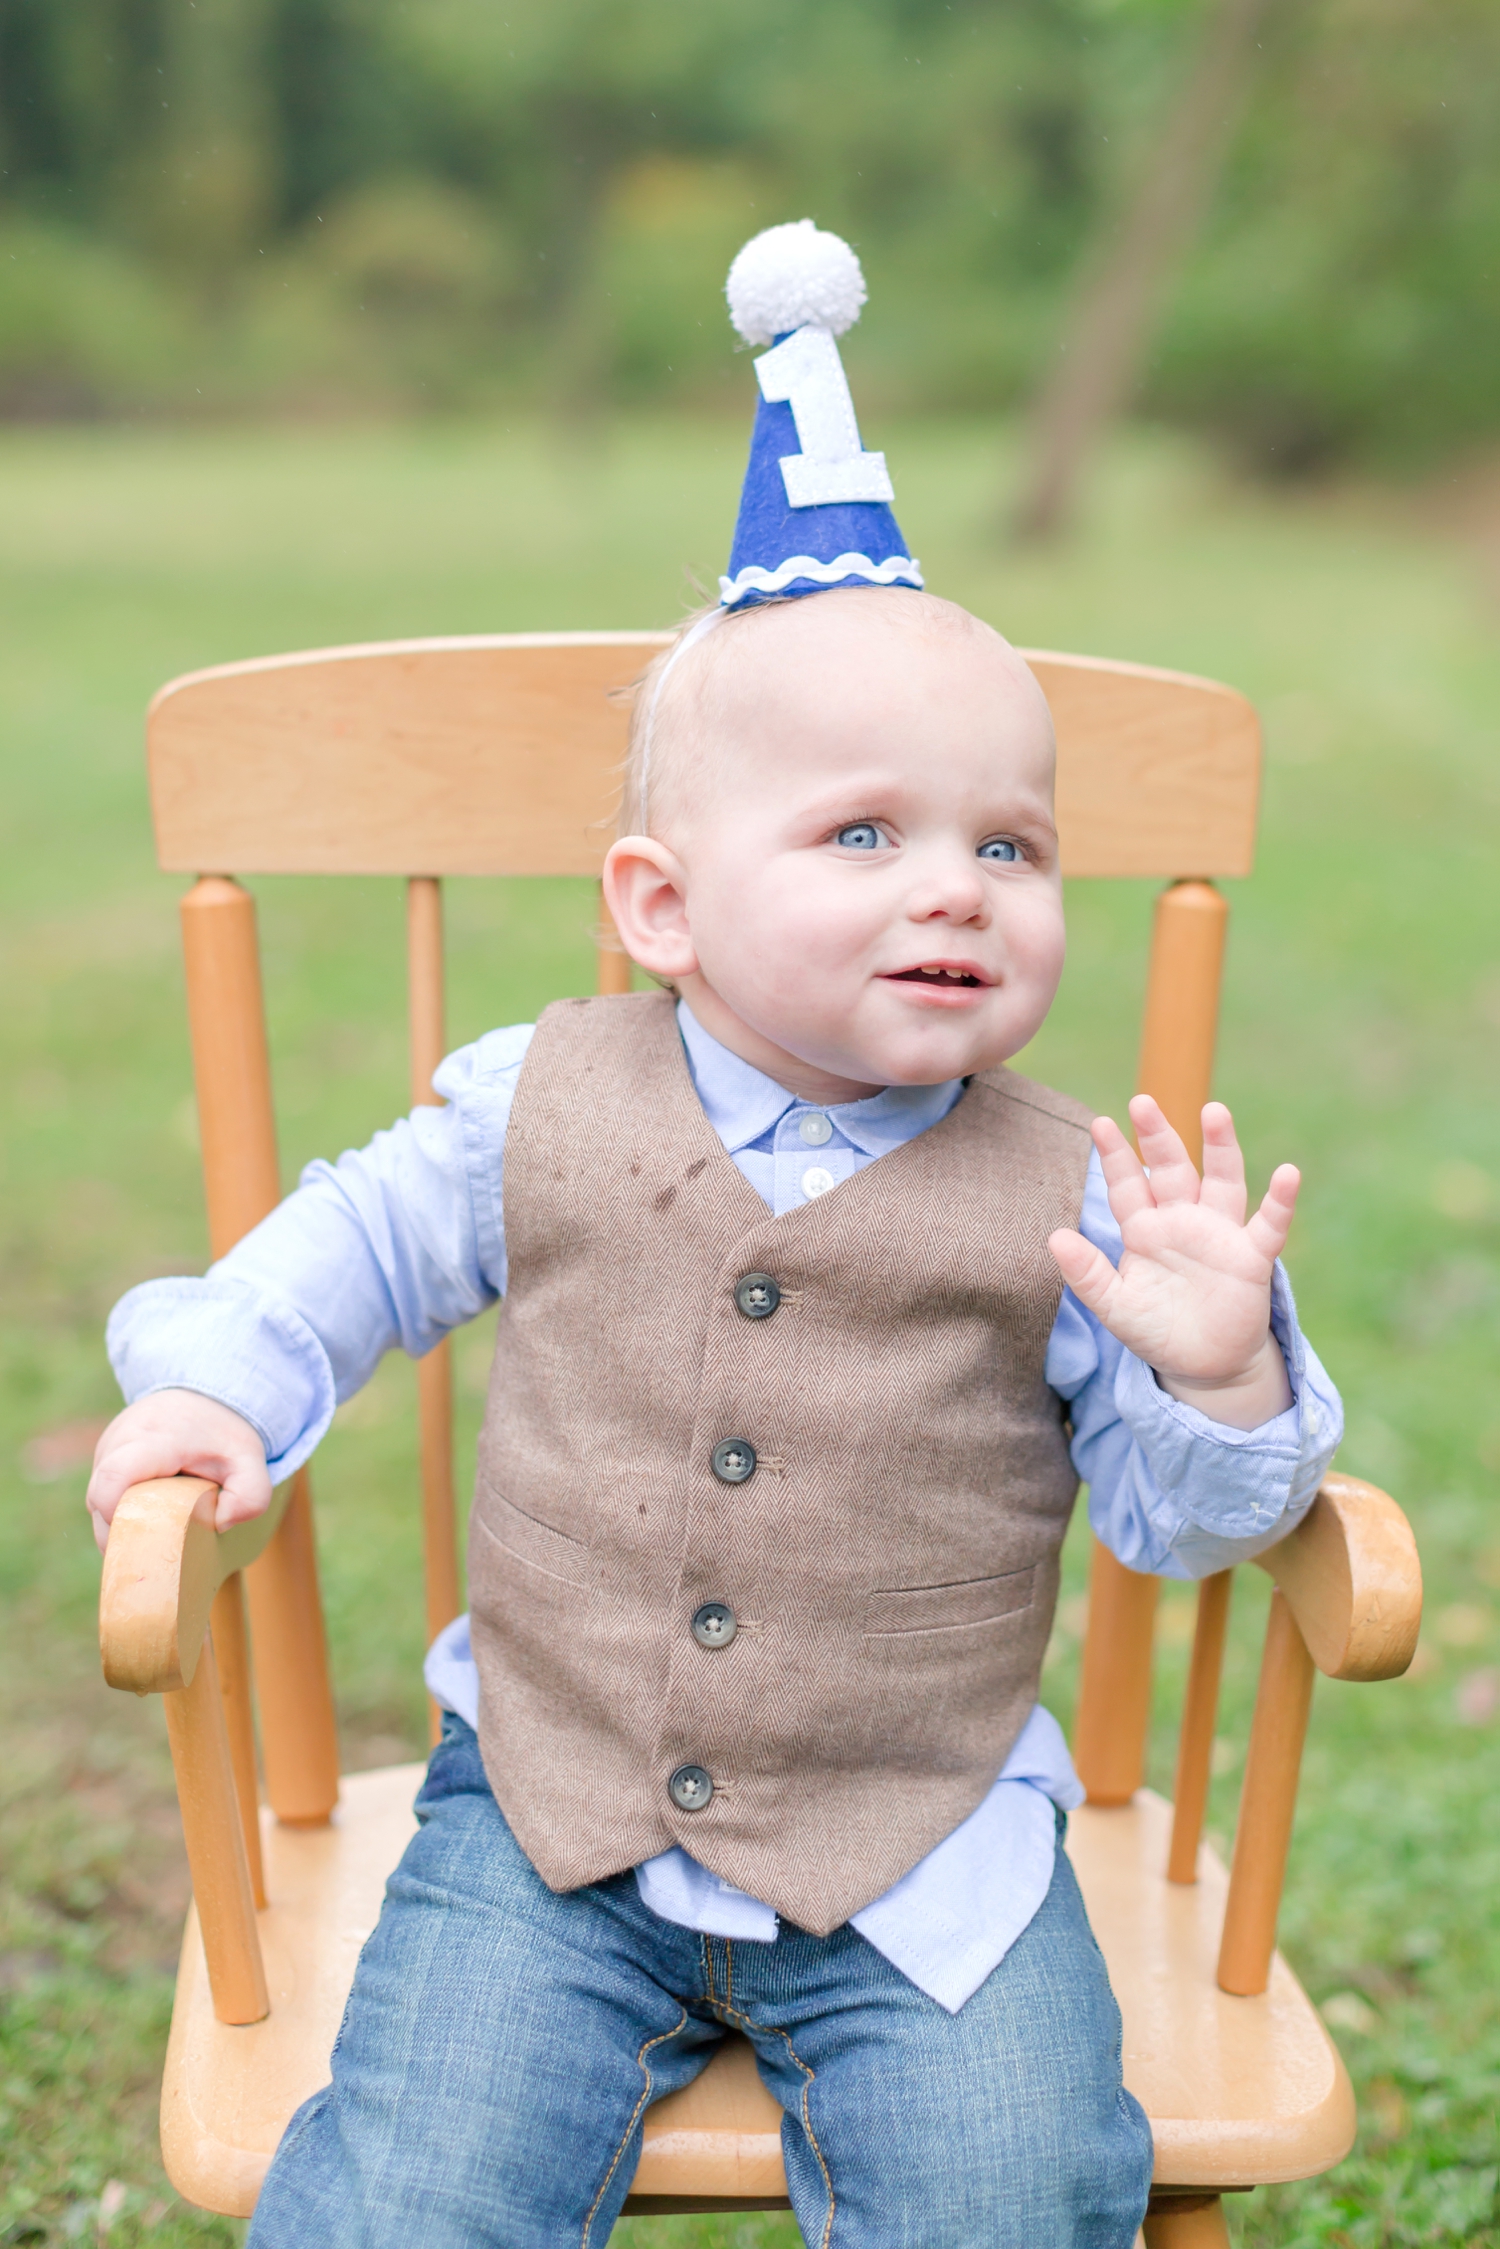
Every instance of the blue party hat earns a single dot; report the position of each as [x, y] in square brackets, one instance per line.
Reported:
[816, 507]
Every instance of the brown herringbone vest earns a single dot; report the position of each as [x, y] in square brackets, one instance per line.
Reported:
[892, 1562]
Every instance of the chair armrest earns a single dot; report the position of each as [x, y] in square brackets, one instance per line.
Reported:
[162, 1567]
[1353, 1581]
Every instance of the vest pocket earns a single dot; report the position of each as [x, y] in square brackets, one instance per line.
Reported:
[946, 1608]
[532, 1541]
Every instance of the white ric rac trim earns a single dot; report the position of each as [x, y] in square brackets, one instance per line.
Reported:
[900, 570]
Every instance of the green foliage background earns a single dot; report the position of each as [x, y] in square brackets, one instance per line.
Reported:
[1361, 1038]
[512, 218]
[311, 205]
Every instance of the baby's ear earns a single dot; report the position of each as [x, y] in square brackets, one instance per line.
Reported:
[645, 889]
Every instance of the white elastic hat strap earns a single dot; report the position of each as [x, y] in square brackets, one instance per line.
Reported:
[694, 633]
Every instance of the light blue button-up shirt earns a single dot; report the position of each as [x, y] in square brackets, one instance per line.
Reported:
[402, 1241]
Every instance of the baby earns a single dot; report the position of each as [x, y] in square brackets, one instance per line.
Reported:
[814, 1315]
[765, 1541]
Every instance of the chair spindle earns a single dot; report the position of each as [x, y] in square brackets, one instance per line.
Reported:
[299, 1735]
[1176, 1065]
[232, 1071]
[1268, 1803]
[1195, 1742]
[216, 1845]
[1114, 1695]
[1182, 1004]
[427, 1016]
[231, 1061]
[231, 1643]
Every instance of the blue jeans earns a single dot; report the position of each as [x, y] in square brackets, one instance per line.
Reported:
[502, 2043]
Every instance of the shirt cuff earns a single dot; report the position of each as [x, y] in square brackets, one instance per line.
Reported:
[231, 1341]
[1246, 1488]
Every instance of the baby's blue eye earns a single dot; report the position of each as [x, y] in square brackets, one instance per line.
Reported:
[862, 836]
[999, 847]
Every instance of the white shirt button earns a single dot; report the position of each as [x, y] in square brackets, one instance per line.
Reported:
[816, 1181]
[815, 1129]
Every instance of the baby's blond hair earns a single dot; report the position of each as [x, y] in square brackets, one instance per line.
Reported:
[655, 754]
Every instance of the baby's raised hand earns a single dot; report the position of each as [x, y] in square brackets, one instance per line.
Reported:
[1192, 1296]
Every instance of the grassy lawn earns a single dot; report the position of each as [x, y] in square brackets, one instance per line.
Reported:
[1362, 1039]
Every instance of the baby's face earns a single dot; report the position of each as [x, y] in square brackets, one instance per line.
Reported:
[868, 862]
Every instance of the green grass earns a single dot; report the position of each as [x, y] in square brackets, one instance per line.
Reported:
[1361, 1038]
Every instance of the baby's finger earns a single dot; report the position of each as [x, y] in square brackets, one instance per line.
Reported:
[1174, 1175]
[1129, 1188]
[117, 1466]
[244, 1494]
[1271, 1224]
[1086, 1270]
[1223, 1187]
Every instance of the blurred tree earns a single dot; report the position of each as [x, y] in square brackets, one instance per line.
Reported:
[440, 199]
[79, 90]
[545, 107]
[197, 188]
[1108, 332]
[1345, 300]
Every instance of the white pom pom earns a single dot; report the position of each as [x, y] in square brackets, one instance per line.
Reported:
[794, 277]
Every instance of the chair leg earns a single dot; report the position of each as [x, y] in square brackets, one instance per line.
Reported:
[216, 1844]
[1186, 2221]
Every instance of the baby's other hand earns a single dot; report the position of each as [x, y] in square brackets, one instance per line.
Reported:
[1192, 1296]
[179, 1433]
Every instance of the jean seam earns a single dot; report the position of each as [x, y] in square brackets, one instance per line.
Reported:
[313, 2108]
[635, 2114]
[808, 2074]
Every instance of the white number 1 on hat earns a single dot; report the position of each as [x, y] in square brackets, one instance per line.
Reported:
[806, 373]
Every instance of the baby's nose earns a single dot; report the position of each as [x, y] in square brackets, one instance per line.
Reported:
[955, 891]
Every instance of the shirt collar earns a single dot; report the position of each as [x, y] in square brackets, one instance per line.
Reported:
[743, 1104]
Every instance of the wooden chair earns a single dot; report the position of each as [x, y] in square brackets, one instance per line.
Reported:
[500, 756]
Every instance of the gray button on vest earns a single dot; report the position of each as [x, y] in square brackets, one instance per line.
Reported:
[756, 1295]
[690, 1788]
[714, 1625]
[733, 1460]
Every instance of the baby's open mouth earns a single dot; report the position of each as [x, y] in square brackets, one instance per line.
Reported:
[935, 975]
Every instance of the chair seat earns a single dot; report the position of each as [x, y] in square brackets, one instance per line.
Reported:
[1240, 2092]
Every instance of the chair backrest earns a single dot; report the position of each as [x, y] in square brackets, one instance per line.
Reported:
[501, 756]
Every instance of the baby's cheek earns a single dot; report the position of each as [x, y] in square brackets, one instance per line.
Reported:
[1036, 947]
[807, 920]
[1040, 924]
